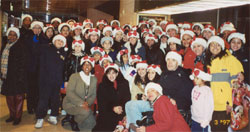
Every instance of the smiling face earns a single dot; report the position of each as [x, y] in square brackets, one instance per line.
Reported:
[172, 46]
[12, 36]
[236, 44]
[86, 67]
[93, 38]
[142, 72]
[198, 49]
[215, 48]
[65, 31]
[49, 32]
[106, 45]
[152, 94]
[172, 64]
[197, 30]
[172, 32]
[164, 39]
[150, 43]
[118, 36]
[186, 39]
[207, 34]
[151, 74]
[58, 43]
[37, 29]
[133, 40]
[78, 31]
[112, 74]
[78, 49]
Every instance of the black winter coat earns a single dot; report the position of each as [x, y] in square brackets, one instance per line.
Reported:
[177, 85]
[154, 55]
[16, 79]
[118, 45]
[107, 99]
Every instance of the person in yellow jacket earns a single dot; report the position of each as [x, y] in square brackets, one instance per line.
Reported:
[224, 68]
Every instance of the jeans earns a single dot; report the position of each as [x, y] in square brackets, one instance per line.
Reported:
[196, 127]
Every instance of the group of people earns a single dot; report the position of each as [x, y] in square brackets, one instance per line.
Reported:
[188, 76]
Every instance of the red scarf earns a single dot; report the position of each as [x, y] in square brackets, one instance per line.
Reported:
[115, 85]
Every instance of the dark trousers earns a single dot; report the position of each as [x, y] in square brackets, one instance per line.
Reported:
[196, 127]
[220, 121]
[15, 105]
[32, 91]
[46, 94]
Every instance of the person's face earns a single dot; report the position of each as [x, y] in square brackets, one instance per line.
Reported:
[78, 49]
[65, 31]
[225, 34]
[12, 36]
[236, 44]
[125, 38]
[125, 59]
[101, 26]
[157, 32]
[214, 48]
[150, 43]
[118, 36]
[133, 40]
[172, 32]
[108, 33]
[142, 72]
[97, 56]
[207, 34]
[114, 24]
[105, 62]
[198, 81]
[27, 22]
[86, 68]
[71, 23]
[163, 26]
[93, 38]
[198, 49]
[145, 34]
[186, 39]
[112, 75]
[58, 43]
[172, 46]
[152, 94]
[88, 25]
[78, 31]
[151, 74]
[172, 64]
[86, 36]
[55, 24]
[106, 45]
[197, 30]
[49, 32]
[37, 29]
[164, 39]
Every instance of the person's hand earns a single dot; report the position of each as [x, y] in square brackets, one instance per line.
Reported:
[141, 129]
[65, 84]
[173, 101]
[85, 106]
[144, 97]
[229, 108]
[240, 77]
[118, 110]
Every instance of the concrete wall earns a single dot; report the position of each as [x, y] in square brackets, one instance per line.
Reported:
[96, 15]
[127, 14]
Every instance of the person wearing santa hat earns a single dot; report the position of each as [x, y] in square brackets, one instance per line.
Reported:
[49, 33]
[163, 24]
[153, 73]
[157, 30]
[171, 29]
[142, 26]
[112, 95]
[115, 23]
[107, 31]
[71, 22]
[93, 41]
[174, 44]
[225, 29]
[133, 59]
[26, 20]
[87, 23]
[202, 101]
[224, 68]
[151, 24]
[118, 41]
[13, 74]
[107, 43]
[197, 28]
[80, 95]
[123, 59]
[64, 29]
[56, 22]
[101, 24]
[208, 32]
[237, 43]
[163, 42]
[77, 31]
[52, 61]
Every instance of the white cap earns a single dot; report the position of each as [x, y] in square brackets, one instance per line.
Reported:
[97, 49]
[133, 34]
[91, 60]
[112, 65]
[60, 37]
[188, 32]
[142, 64]
[62, 25]
[174, 40]
[174, 55]
[78, 43]
[130, 27]
[143, 22]
[87, 21]
[36, 23]
[171, 26]
[146, 31]
[107, 28]
[56, 19]
[107, 38]
[210, 28]
[94, 31]
[116, 30]
[157, 27]
[237, 35]
[156, 68]
[101, 22]
[120, 53]
[106, 57]
[14, 29]
[163, 22]
[186, 25]
[47, 27]
[84, 30]
[163, 34]
[151, 36]
[134, 58]
[199, 41]
[27, 15]
[217, 39]
[111, 23]
[200, 74]
[198, 24]
[152, 20]
[155, 86]
[227, 28]
[77, 25]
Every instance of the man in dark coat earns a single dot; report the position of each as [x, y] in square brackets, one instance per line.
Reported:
[25, 29]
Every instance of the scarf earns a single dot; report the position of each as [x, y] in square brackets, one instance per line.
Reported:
[4, 60]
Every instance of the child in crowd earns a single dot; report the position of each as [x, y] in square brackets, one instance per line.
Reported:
[123, 59]
[107, 43]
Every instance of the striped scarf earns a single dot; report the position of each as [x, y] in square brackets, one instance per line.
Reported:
[4, 60]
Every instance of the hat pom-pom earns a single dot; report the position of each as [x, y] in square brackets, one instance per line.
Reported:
[66, 49]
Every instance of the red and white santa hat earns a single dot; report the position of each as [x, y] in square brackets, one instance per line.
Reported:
[62, 25]
[152, 20]
[71, 20]
[179, 24]
[87, 21]
[47, 27]
[174, 55]
[151, 36]
[85, 30]
[78, 43]
[218, 40]
[111, 23]
[210, 28]
[34, 23]
[101, 22]
[171, 25]
[141, 64]
[199, 41]
[134, 28]
[237, 35]
[107, 38]
[156, 68]
[14, 29]
[198, 24]
[107, 28]
[56, 19]
[143, 22]
[106, 57]
[200, 74]
[188, 32]
[126, 25]
[154, 86]
[89, 59]
[145, 31]
[133, 34]
[157, 27]
[174, 40]
[116, 30]
[134, 58]
[186, 25]
[94, 31]
[60, 37]
[226, 24]
[77, 25]
[227, 28]
[120, 53]
[27, 15]
[112, 65]
[98, 50]
[163, 22]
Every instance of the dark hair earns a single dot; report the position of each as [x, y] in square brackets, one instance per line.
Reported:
[109, 70]
[178, 48]
[242, 44]
[210, 57]
[138, 79]
[121, 60]
[155, 80]
[92, 70]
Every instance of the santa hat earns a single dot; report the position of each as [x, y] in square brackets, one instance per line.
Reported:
[157, 27]
[163, 22]
[107, 38]
[188, 32]
[34, 23]
[134, 58]
[120, 53]
[226, 24]
[174, 55]
[111, 23]
[145, 31]
[101, 22]
[116, 30]
[143, 22]
[87, 21]
[151, 36]
[91, 60]
[198, 24]
[106, 57]
[179, 24]
[210, 28]
[94, 31]
[62, 25]
[85, 30]
[14, 29]
[107, 28]
[163, 34]
[56, 19]
[71, 20]
[134, 28]
[27, 15]
[133, 34]
[152, 20]
[60, 37]
[155, 68]
[78, 43]
[47, 27]
[237, 35]
[200, 74]
[141, 64]
[154, 86]
[77, 25]
[218, 40]
[171, 26]
[227, 28]
[186, 25]
[199, 41]
[126, 25]
[174, 40]
[112, 65]
[98, 50]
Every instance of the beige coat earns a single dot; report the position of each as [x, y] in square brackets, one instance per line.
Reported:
[136, 89]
